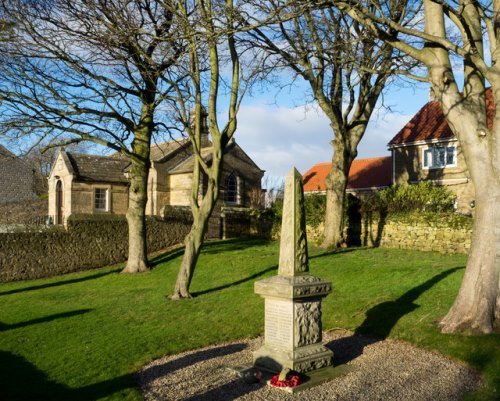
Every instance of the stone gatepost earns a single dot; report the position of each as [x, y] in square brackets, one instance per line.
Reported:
[293, 329]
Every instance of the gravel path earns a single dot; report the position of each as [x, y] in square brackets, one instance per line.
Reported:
[381, 370]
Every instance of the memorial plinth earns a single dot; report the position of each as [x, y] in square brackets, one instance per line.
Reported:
[293, 328]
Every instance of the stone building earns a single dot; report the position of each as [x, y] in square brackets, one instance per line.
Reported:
[90, 184]
[426, 149]
[17, 178]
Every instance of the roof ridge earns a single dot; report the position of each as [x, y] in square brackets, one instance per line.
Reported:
[91, 155]
[372, 158]
[171, 140]
[364, 158]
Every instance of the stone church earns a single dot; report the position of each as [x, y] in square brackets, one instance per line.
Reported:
[92, 184]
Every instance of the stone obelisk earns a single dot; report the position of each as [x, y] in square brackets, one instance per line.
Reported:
[293, 329]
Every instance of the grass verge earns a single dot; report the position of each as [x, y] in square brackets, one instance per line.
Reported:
[82, 336]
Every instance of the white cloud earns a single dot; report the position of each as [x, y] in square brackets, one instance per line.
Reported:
[380, 131]
[279, 138]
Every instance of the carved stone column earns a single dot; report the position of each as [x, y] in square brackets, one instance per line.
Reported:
[293, 328]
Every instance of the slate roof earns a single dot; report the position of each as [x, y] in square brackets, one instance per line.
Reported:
[430, 123]
[162, 150]
[113, 169]
[177, 156]
[187, 165]
[98, 168]
[374, 172]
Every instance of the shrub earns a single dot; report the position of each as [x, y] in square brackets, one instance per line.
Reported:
[315, 205]
[422, 197]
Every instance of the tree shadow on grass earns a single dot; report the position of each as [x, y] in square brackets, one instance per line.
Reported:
[334, 252]
[381, 319]
[165, 257]
[45, 319]
[22, 381]
[213, 247]
[233, 244]
[237, 282]
[60, 282]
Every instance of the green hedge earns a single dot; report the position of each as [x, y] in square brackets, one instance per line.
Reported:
[422, 197]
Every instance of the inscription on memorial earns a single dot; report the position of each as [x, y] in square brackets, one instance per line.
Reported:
[279, 323]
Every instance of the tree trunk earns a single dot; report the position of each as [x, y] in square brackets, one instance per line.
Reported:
[138, 192]
[336, 184]
[193, 243]
[476, 309]
[136, 217]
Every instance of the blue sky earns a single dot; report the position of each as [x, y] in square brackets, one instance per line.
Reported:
[279, 133]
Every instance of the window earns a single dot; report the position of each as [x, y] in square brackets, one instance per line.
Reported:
[440, 157]
[101, 199]
[231, 189]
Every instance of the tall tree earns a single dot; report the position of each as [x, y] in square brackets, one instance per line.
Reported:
[91, 70]
[210, 28]
[453, 31]
[346, 68]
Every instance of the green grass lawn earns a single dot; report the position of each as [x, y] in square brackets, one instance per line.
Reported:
[82, 336]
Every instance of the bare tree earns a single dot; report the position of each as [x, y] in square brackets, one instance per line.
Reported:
[462, 31]
[210, 28]
[91, 70]
[346, 68]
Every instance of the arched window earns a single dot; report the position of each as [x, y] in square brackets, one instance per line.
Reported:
[231, 189]
[59, 217]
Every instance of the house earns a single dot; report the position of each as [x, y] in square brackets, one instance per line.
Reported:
[365, 176]
[17, 178]
[426, 149]
[90, 184]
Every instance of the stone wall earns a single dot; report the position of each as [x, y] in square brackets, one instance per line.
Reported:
[441, 235]
[431, 232]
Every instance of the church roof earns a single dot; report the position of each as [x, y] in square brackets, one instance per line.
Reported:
[95, 168]
[161, 151]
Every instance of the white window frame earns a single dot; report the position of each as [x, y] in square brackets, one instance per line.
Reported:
[430, 152]
[106, 200]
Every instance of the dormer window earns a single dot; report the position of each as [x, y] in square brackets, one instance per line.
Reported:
[439, 157]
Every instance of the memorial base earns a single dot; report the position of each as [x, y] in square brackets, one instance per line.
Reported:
[293, 329]
[302, 359]
[309, 380]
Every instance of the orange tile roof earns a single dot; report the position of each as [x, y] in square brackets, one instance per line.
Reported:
[364, 173]
[430, 124]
